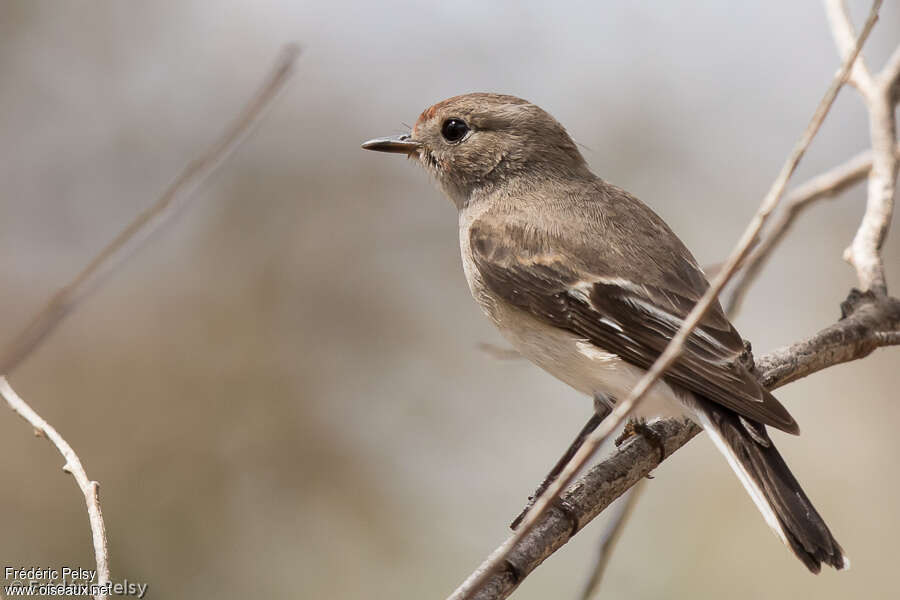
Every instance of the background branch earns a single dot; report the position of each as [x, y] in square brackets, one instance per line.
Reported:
[824, 186]
[113, 255]
[150, 221]
[878, 95]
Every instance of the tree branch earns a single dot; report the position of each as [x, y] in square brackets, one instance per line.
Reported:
[879, 97]
[873, 322]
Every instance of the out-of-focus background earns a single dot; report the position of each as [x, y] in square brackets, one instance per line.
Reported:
[283, 396]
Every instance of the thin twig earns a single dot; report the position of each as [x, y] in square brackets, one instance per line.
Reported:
[150, 221]
[90, 489]
[610, 537]
[673, 349]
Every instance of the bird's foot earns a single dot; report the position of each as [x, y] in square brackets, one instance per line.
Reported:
[639, 427]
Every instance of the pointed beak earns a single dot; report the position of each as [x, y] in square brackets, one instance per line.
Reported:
[400, 144]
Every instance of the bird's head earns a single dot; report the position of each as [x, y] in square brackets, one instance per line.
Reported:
[479, 141]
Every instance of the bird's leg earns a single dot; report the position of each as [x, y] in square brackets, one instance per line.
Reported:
[602, 408]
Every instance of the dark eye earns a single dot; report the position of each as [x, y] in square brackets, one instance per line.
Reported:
[454, 130]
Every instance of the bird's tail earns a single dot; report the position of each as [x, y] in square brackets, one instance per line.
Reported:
[774, 490]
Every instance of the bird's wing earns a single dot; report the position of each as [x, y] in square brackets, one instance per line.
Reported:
[635, 317]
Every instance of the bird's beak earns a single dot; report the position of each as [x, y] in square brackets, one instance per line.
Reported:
[400, 144]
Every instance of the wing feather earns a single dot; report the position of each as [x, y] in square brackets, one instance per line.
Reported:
[632, 319]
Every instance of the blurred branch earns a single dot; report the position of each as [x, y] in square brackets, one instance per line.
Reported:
[113, 255]
[548, 526]
[150, 221]
[73, 466]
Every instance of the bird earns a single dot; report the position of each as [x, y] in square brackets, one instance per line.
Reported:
[590, 284]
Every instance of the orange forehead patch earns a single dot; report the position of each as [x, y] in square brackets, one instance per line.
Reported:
[429, 112]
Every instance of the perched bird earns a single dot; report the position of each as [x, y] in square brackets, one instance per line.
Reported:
[590, 284]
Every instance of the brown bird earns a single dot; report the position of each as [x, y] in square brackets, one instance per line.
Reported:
[590, 284]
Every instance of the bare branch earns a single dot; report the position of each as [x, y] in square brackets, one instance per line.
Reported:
[874, 321]
[827, 185]
[90, 489]
[501, 556]
[879, 97]
[864, 253]
[170, 204]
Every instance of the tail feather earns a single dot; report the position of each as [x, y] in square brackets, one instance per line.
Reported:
[773, 487]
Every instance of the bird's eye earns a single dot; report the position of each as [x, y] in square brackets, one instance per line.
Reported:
[454, 130]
